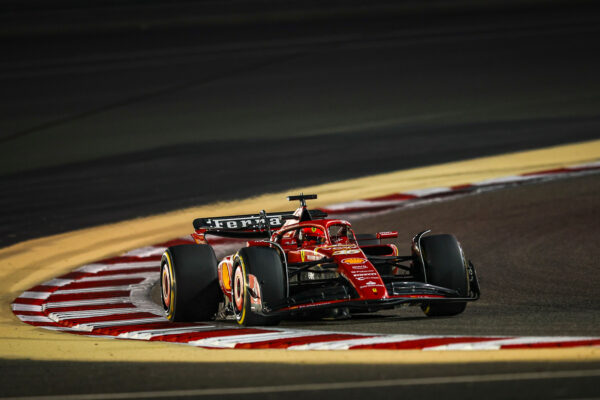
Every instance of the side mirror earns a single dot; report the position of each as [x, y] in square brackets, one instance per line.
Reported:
[387, 235]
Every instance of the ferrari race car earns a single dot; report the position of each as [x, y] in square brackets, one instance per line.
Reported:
[303, 264]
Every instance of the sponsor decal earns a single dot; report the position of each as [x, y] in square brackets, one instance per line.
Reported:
[364, 275]
[354, 261]
[308, 255]
[339, 246]
[241, 223]
[345, 252]
[363, 278]
[372, 285]
[359, 267]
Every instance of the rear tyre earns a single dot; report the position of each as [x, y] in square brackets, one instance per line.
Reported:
[445, 266]
[189, 285]
[258, 273]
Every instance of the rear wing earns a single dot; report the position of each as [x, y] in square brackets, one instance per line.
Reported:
[251, 225]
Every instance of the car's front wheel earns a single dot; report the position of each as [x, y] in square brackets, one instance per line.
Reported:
[445, 266]
[258, 280]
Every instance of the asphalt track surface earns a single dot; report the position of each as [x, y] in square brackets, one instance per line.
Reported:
[298, 101]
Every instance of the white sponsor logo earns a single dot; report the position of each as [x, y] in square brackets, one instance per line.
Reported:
[338, 246]
[363, 278]
[344, 252]
[370, 285]
[237, 223]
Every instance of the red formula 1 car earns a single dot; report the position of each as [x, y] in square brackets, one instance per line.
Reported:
[301, 263]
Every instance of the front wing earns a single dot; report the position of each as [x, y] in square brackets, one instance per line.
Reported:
[400, 293]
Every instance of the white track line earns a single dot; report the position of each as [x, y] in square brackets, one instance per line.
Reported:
[232, 341]
[64, 328]
[146, 251]
[315, 387]
[150, 333]
[346, 344]
[429, 191]
[104, 324]
[507, 179]
[97, 313]
[497, 344]
[26, 307]
[144, 275]
[92, 268]
[366, 204]
[57, 282]
[94, 289]
[35, 318]
[91, 302]
[95, 268]
[35, 295]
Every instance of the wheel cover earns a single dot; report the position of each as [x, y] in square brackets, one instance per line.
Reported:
[166, 287]
[238, 289]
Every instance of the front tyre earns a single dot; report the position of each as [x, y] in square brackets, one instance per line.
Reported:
[189, 284]
[258, 280]
[445, 266]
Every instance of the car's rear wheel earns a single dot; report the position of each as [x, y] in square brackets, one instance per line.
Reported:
[258, 280]
[189, 286]
[445, 266]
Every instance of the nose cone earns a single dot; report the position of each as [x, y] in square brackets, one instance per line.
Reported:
[357, 269]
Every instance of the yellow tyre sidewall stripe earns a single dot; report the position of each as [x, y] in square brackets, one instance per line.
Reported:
[171, 311]
[239, 260]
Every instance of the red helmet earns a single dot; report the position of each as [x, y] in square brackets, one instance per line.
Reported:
[312, 235]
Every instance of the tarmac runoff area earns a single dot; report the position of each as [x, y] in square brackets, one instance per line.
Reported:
[42, 259]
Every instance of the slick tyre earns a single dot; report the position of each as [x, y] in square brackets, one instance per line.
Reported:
[189, 285]
[257, 273]
[445, 266]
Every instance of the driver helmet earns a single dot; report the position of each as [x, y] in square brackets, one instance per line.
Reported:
[312, 234]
